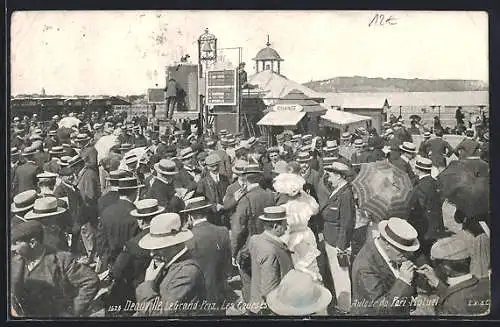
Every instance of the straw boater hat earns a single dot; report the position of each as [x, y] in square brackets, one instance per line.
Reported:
[166, 167]
[46, 175]
[387, 125]
[165, 230]
[306, 148]
[63, 161]
[44, 207]
[331, 146]
[52, 133]
[212, 159]
[358, 143]
[146, 208]
[307, 138]
[29, 151]
[275, 213]
[423, 164]
[23, 201]
[35, 137]
[131, 159]
[195, 204]
[239, 166]
[296, 137]
[252, 169]
[427, 135]
[345, 136]
[230, 141]
[14, 151]
[303, 157]
[408, 147]
[128, 183]
[298, 295]
[82, 137]
[57, 150]
[74, 161]
[125, 147]
[337, 168]
[399, 233]
[388, 132]
[187, 153]
[223, 132]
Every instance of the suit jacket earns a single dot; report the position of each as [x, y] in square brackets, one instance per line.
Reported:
[57, 287]
[339, 216]
[25, 177]
[244, 221]
[480, 167]
[229, 201]
[425, 209]
[374, 286]
[422, 149]
[404, 166]
[52, 166]
[185, 180]
[89, 186]
[225, 165]
[50, 142]
[182, 282]
[467, 148]
[117, 227]
[165, 194]
[214, 192]
[438, 149]
[139, 141]
[313, 179]
[271, 261]
[41, 158]
[470, 297]
[211, 249]
[89, 155]
[106, 200]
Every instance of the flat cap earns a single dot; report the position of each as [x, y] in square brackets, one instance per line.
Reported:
[212, 159]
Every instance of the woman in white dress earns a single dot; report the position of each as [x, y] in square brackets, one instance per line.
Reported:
[300, 206]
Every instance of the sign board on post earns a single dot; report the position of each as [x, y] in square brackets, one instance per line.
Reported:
[221, 87]
[288, 107]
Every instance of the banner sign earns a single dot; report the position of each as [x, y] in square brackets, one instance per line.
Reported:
[288, 107]
[221, 87]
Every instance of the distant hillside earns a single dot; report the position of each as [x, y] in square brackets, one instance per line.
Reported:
[366, 84]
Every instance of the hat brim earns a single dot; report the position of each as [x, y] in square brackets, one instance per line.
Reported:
[134, 213]
[32, 215]
[163, 172]
[280, 308]
[147, 242]
[410, 248]
[253, 172]
[187, 156]
[422, 167]
[304, 160]
[197, 208]
[407, 150]
[130, 187]
[263, 217]
[237, 171]
[15, 209]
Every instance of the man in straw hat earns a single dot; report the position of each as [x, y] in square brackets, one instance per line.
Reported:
[311, 176]
[163, 188]
[118, 226]
[403, 159]
[425, 206]
[298, 295]
[422, 147]
[51, 139]
[173, 282]
[40, 277]
[88, 151]
[111, 196]
[339, 216]
[213, 186]
[244, 222]
[225, 159]
[53, 165]
[469, 147]
[21, 204]
[128, 270]
[211, 249]
[270, 258]
[461, 293]
[235, 191]
[25, 174]
[382, 272]
[186, 176]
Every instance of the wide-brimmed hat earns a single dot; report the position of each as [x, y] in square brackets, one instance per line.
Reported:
[187, 153]
[451, 248]
[307, 137]
[116, 175]
[298, 295]
[337, 167]
[165, 230]
[252, 169]
[388, 132]
[303, 157]
[423, 163]
[399, 233]
[57, 150]
[46, 175]
[44, 207]
[223, 132]
[131, 159]
[82, 137]
[230, 140]
[23, 201]
[274, 213]
[146, 208]
[408, 147]
[35, 137]
[197, 203]
[239, 166]
[166, 167]
[427, 135]
[128, 183]
[64, 161]
[296, 137]
[212, 159]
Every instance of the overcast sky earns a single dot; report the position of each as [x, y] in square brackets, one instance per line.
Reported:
[119, 52]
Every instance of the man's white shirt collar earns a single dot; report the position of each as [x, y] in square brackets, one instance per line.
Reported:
[452, 281]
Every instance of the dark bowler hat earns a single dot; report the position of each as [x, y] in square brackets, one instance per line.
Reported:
[23, 201]
[276, 213]
[26, 230]
[196, 204]
[147, 208]
[128, 183]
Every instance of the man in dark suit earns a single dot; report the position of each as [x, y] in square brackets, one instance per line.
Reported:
[423, 147]
[235, 191]
[88, 151]
[211, 249]
[138, 139]
[51, 140]
[111, 196]
[310, 175]
[437, 148]
[401, 158]
[271, 259]
[461, 293]
[425, 212]
[382, 275]
[213, 186]
[468, 147]
[186, 176]
[339, 216]
[25, 174]
[225, 159]
[117, 225]
[163, 186]
[244, 222]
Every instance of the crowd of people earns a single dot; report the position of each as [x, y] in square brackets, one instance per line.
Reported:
[172, 223]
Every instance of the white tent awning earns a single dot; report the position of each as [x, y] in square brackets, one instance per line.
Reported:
[281, 118]
[343, 118]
